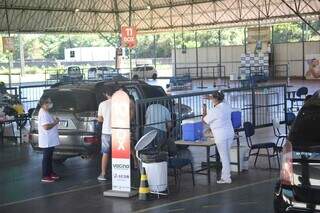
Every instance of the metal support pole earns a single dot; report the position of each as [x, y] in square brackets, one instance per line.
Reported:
[245, 40]
[303, 50]
[220, 59]
[253, 104]
[197, 54]
[219, 37]
[10, 64]
[130, 20]
[272, 54]
[22, 63]
[154, 52]
[175, 54]
[285, 107]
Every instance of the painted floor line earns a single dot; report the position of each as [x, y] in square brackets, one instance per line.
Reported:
[54, 194]
[206, 195]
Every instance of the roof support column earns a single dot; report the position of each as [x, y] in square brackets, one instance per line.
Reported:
[303, 26]
[130, 23]
[175, 54]
[118, 31]
[197, 54]
[154, 51]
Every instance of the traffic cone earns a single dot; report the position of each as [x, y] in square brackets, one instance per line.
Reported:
[144, 190]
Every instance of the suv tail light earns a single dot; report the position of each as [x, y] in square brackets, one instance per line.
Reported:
[91, 139]
[286, 174]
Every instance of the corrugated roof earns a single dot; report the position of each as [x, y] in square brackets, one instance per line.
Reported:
[146, 15]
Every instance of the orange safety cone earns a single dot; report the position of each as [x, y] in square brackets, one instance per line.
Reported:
[144, 190]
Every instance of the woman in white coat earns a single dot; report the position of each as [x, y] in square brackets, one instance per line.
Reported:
[219, 120]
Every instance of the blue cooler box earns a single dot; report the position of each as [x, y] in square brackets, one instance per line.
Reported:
[192, 129]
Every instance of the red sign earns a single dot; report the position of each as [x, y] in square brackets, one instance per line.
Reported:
[129, 37]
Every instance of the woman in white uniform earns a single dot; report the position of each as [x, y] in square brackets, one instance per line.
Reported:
[219, 119]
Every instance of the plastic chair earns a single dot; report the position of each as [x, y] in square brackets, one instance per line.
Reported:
[290, 118]
[249, 132]
[301, 93]
[277, 133]
[177, 164]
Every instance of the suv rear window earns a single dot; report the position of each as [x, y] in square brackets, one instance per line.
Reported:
[74, 70]
[305, 130]
[153, 91]
[73, 100]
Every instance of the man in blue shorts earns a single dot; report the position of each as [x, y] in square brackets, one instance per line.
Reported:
[104, 117]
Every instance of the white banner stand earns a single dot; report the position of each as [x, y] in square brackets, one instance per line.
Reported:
[120, 153]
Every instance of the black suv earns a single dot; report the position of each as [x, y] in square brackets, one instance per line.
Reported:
[299, 187]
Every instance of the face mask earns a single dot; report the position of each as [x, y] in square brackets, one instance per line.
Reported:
[50, 105]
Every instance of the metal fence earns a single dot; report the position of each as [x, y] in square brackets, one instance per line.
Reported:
[30, 95]
[258, 105]
[215, 73]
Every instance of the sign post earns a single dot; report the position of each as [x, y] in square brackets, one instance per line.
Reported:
[120, 153]
[8, 47]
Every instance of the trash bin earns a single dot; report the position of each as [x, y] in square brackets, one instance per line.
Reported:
[156, 165]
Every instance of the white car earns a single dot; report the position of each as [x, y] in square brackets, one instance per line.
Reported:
[102, 73]
[144, 72]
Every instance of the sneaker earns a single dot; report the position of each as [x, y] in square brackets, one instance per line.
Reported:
[102, 178]
[54, 176]
[224, 181]
[47, 180]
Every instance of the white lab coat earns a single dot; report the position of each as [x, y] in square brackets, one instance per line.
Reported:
[219, 120]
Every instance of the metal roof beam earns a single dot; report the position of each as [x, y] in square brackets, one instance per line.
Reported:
[297, 12]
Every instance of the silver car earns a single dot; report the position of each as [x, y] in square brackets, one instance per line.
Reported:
[76, 108]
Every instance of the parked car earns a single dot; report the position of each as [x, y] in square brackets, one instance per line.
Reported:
[299, 187]
[72, 73]
[76, 105]
[102, 73]
[144, 72]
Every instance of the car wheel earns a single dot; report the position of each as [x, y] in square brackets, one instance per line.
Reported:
[154, 76]
[59, 159]
[135, 77]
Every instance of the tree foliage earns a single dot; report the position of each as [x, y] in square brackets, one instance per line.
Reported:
[51, 46]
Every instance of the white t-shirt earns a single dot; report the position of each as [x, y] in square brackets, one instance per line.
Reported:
[219, 119]
[157, 115]
[105, 112]
[47, 138]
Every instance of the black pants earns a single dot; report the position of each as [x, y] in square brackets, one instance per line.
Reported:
[47, 161]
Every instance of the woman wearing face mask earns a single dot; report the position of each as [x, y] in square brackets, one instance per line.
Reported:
[48, 138]
[219, 119]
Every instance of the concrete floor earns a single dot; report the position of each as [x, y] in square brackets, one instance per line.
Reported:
[79, 191]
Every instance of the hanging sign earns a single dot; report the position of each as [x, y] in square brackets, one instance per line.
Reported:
[120, 121]
[129, 37]
[8, 44]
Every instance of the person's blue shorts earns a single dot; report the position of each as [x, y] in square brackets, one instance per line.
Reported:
[105, 144]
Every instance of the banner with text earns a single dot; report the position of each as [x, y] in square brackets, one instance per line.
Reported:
[120, 121]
